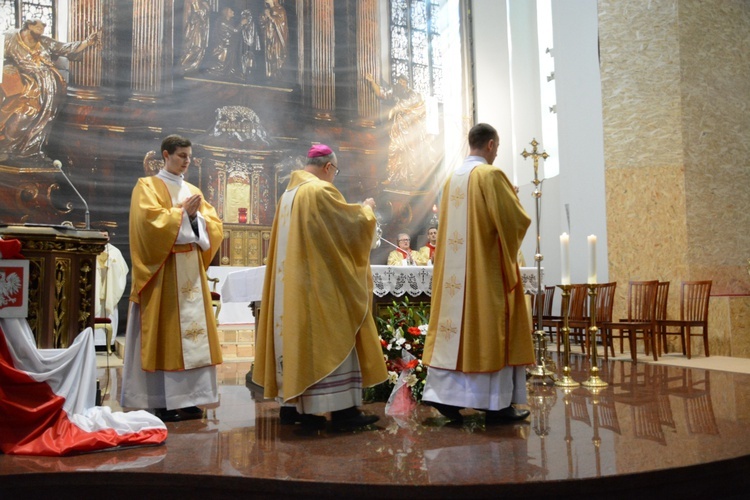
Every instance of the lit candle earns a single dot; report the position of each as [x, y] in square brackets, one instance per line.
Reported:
[592, 259]
[565, 258]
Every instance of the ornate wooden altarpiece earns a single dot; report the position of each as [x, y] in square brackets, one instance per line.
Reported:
[62, 275]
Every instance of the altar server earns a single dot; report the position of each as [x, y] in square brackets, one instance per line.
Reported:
[171, 345]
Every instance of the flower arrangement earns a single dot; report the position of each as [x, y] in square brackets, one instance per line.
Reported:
[402, 328]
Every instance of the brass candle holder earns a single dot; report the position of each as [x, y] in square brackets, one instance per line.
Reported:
[566, 380]
[594, 380]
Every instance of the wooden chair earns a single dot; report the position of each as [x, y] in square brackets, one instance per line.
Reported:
[641, 318]
[546, 304]
[662, 297]
[215, 297]
[694, 297]
[106, 325]
[605, 300]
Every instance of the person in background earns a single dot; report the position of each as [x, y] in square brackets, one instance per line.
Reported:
[427, 252]
[404, 255]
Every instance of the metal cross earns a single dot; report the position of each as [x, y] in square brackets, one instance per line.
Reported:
[535, 155]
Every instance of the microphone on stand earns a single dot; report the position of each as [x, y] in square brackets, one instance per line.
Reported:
[58, 166]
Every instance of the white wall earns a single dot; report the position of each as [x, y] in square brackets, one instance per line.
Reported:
[507, 86]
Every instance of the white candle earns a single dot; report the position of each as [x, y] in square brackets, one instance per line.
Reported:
[592, 259]
[565, 258]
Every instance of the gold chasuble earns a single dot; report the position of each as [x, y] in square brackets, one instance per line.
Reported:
[317, 291]
[178, 328]
[478, 318]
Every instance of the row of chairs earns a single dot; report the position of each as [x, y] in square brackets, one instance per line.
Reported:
[646, 316]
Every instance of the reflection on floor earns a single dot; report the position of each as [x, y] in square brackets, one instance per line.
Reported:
[680, 432]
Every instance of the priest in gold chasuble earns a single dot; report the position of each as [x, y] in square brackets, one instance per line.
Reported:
[172, 344]
[479, 336]
[317, 344]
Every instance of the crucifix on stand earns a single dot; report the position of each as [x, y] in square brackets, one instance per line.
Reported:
[538, 372]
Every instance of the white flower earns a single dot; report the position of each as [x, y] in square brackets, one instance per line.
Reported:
[392, 377]
[399, 333]
[423, 329]
[411, 380]
[419, 368]
[400, 341]
[407, 347]
[389, 347]
[385, 357]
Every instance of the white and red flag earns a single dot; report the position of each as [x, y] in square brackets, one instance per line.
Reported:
[47, 400]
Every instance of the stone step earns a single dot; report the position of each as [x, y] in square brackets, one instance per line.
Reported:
[235, 351]
[237, 343]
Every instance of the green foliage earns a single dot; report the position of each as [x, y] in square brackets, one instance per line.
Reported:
[402, 328]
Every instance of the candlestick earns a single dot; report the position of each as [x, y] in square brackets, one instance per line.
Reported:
[594, 379]
[592, 260]
[565, 258]
[566, 380]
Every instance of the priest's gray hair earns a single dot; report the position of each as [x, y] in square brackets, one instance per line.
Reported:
[320, 161]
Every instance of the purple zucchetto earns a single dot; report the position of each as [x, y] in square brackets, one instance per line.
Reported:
[319, 150]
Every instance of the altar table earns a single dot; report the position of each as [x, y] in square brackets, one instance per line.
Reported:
[241, 286]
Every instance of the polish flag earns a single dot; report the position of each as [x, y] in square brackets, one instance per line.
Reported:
[47, 400]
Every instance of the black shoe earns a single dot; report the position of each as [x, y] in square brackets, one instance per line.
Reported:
[505, 416]
[190, 413]
[351, 419]
[450, 412]
[290, 416]
[168, 415]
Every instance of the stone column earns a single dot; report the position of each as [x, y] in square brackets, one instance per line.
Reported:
[152, 47]
[368, 62]
[322, 43]
[85, 17]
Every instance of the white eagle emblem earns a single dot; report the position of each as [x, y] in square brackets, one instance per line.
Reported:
[10, 285]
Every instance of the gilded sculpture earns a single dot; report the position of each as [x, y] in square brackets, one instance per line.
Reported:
[197, 30]
[276, 38]
[410, 152]
[32, 90]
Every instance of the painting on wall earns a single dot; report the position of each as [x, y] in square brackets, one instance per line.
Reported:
[253, 83]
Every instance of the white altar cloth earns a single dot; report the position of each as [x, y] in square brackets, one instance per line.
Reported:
[245, 286]
[242, 285]
[416, 280]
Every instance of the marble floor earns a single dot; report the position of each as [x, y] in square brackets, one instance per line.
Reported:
[656, 429]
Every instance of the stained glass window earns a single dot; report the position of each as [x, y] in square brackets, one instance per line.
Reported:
[30, 9]
[415, 40]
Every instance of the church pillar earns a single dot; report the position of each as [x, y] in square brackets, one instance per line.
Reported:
[152, 48]
[367, 60]
[322, 49]
[85, 17]
[671, 153]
